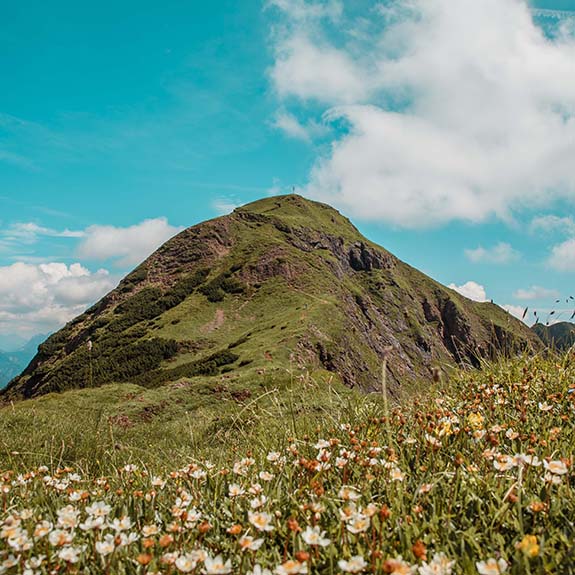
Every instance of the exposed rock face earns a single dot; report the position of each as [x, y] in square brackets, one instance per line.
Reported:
[290, 282]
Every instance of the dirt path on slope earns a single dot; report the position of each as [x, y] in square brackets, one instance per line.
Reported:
[216, 323]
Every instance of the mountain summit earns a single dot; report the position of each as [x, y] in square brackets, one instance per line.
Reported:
[282, 285]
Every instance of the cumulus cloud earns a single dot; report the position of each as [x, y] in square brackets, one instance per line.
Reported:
[128, 246]
[536, 292]
[40, 298]
[471, 290]
[562, 256]
[501, 253]
[449, 110]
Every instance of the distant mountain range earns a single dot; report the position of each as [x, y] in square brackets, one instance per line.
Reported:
[280, 288]
[12, 363]
[560, 335]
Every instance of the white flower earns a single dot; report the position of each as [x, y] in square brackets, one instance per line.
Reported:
[396, 474]
[59, 538]
[98, 509]
[313, 536]
[511, 434]
[358, 523]
[158, 482]
[261, 521]
[106, 546]
[258, 502]
[504, 462]
[348, 493]
[532, 460]
[122, 524]
[127, 539]
[259, 570]
[68, 517]
[185, 563]
[556, 467]
[235, 490]
[265, 476]
[42, 529]
[93, 523]
[439, 565]
[216, 566]
[552, 478]
[70, 554]
[545, 406]
[291, 567]
[355, 565]
[491, 567]
[149, 530]
[248, 543]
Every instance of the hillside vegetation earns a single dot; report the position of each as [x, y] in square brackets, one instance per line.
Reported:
[283, 283]
[560, 335]
[473, 476]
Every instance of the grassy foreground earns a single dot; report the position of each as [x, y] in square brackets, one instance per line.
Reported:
[474, 477]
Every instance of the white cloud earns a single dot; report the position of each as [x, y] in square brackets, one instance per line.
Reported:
[40, 298]
[471, 290]
[27, 233]
[129, 245]
[225, 206]
[454, 110]
[553, 224]
[536, 292]
[323, 73]
[562, 256]
[501, 253]
[305, 10]
[293, 128]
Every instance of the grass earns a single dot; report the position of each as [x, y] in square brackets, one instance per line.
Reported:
[472, 476]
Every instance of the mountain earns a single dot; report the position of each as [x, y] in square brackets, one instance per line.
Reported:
[11, 342]
[14, 362]
[281, 287]
[559, 335]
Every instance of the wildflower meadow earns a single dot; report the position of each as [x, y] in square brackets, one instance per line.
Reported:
[472, 476]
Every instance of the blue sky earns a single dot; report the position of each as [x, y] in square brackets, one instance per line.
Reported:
[120, 123]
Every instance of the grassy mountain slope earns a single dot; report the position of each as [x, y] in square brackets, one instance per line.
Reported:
[279, 287]
[559, 335]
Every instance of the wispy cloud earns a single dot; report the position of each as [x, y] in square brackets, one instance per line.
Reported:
[536, 292]
[224, 206]
[502, 253]
[553, 224]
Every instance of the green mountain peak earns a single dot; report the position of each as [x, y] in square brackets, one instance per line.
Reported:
[281, 287]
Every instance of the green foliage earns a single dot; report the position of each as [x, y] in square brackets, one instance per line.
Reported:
[206, 366]
[224, 283]
[124, 358]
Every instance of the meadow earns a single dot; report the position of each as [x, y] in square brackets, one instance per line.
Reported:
[471, 475]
